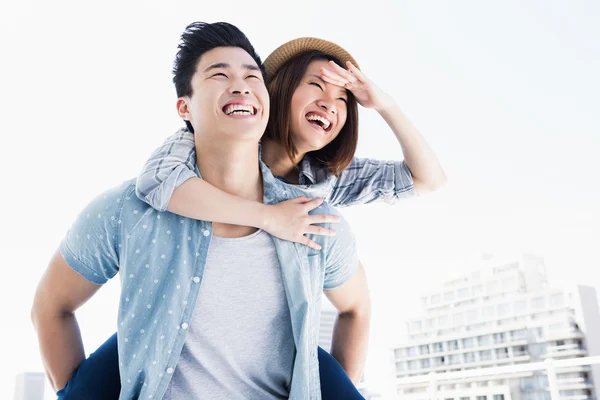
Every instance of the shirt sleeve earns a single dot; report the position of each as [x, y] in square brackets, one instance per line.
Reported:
[341, 258]
[367, 180]
[90, 247]
[168, 167]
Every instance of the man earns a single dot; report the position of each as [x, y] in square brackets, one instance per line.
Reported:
[207, 310]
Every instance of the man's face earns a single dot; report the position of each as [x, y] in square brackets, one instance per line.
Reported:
[229, 97]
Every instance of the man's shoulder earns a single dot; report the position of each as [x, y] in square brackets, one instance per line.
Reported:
[111, 201]
[119, 194]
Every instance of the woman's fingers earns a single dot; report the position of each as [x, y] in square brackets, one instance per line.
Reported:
[334, 82]
[319, 230]
[356, 72]
[312, 204]
[333, 77]
[310, 243]
[346, 74]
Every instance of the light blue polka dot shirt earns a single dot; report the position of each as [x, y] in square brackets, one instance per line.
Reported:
[161, 256]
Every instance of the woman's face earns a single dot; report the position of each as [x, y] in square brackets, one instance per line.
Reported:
[319, 110]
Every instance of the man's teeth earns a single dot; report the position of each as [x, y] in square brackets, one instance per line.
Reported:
[239, 109]
[313, 117]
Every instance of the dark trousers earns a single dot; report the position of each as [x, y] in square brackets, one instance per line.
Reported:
[97, 377]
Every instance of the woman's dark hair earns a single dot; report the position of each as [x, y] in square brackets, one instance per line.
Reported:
[199, 38]
[338, 154]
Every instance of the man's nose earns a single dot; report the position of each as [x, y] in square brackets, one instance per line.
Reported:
[239, 86]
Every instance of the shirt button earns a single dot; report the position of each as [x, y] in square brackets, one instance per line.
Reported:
[184, 325]
[170, 370]
[206, 233]
[196, 279]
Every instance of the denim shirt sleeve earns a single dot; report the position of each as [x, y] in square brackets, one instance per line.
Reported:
[90, 247]
[341, 258]
[367, 180]
[168, 167]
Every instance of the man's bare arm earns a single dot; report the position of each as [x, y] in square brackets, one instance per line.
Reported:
[351, 329]
[60, 292]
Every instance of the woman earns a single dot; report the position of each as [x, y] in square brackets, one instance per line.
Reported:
[310, 141]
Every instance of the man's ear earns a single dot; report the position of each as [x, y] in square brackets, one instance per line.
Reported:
[183, 108]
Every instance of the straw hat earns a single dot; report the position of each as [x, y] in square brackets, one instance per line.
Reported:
[297, 46]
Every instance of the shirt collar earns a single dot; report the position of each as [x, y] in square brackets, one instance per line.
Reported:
[274, 191]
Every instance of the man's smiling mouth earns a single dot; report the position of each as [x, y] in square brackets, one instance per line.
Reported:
[239, 109]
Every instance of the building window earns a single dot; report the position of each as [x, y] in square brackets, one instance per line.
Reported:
[499, 337]
[399, 353]
[424, 349]
[425, 363]
[520, 306]
[469, 357]
[485, 355]
[454, 359]
[468, 343]
[501, 353]
[448, 296]
[438, 347]
[412, 351]
[429, 323]
[509, 284]
[487, 312]
[463, 293]
[519, 351]
[498, 397]
[458, 319]
[556, 327]
[477, 290]
[556, 300]
[491, 286]
[520, 334]
[485, 340]
[537, 303]
[503, 309]
[453, 345]
[416, 326]
[481, 398]
[442, 321]
[471, 316]
[435, 299]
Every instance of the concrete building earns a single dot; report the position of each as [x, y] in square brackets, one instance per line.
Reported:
[30, 386]
[503, 313]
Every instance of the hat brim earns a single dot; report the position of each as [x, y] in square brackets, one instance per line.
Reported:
[289, 50]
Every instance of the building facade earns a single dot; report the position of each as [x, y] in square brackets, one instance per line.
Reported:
[503, 313]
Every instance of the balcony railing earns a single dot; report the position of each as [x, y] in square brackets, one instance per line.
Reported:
[549, 366]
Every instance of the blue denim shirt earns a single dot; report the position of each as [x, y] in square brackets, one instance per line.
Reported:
[161, 257]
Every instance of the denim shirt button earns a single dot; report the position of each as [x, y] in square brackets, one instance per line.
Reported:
[170, 370]
[196, 279]
[206, 233]
[184, 325]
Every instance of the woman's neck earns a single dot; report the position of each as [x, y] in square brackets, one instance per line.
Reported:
[277, 159]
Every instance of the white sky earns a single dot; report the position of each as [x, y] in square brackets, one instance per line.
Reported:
[505, 92]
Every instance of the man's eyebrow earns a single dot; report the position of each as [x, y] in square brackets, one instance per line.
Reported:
[216, 66]
[226, 65]
[251, 67]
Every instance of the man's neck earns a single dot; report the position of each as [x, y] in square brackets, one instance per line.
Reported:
[278, 160]
[233, 168]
